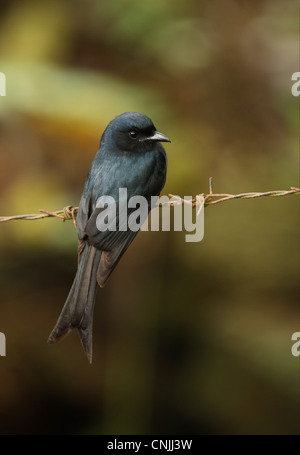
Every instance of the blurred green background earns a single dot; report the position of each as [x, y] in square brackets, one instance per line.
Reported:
[190, 338]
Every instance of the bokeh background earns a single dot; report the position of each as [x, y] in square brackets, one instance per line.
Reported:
[190, 338]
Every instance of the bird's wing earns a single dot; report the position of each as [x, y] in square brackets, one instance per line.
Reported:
[110, 259]
[148, 179]
[112, 242]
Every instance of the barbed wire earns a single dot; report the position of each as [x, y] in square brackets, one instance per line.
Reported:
[67, 213]
[201, 200]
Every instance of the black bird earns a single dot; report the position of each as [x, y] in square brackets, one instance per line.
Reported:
[130, 156]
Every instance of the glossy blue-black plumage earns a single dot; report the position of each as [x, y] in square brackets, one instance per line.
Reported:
[130, 156]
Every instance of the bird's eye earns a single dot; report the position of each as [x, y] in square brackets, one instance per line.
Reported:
[133, 134]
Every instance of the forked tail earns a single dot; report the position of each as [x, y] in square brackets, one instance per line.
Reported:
[78, 310]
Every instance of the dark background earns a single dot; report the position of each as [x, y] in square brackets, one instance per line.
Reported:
[190, 338]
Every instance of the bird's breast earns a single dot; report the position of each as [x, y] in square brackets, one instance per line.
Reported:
[140, 173]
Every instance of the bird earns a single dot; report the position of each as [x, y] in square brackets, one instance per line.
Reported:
[130, 157]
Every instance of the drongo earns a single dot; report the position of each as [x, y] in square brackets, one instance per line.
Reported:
[130, 157]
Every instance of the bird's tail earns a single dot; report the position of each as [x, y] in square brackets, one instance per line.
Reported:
[79, 307]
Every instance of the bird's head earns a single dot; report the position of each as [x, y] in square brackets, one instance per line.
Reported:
[134, 132]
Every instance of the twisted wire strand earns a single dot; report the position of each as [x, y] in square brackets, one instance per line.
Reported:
[201, 200]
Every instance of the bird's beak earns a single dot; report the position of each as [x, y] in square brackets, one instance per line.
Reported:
[157, 137]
